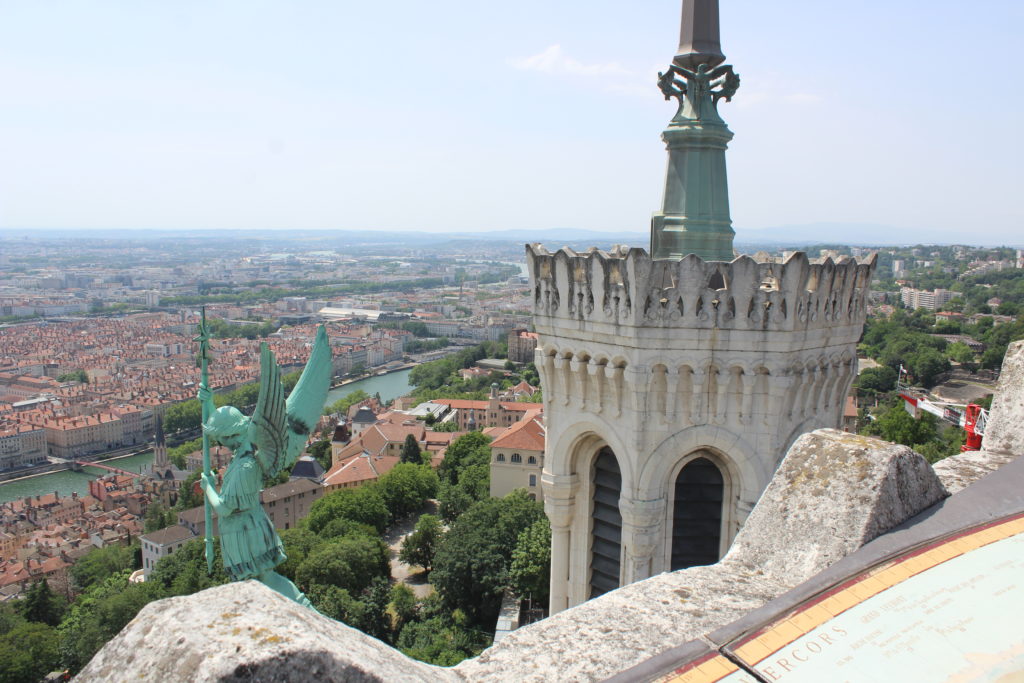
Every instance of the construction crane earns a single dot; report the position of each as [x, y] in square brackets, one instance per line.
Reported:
[970, 417]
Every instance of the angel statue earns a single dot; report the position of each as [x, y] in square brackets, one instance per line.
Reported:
[263, 445]
[696, 90]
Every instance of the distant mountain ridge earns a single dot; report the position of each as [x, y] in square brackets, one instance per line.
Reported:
[853, 234]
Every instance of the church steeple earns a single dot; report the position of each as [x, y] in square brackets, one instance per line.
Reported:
[694, 217]
[160, 460]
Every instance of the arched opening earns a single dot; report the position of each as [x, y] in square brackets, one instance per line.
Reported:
[606, 530]
[697, 515]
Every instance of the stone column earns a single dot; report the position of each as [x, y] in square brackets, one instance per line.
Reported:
[559, 505]
[641, 534]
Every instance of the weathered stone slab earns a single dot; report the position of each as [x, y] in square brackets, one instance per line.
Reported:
[247, 632]
[833, 493]
[957, 472]
[1005, 430]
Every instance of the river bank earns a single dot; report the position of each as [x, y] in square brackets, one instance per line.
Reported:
[389, 385]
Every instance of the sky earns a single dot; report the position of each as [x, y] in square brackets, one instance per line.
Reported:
[459, 115]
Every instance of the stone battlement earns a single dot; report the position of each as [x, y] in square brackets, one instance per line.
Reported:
[628, 287]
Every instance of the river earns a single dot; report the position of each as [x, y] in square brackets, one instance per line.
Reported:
[65, 482]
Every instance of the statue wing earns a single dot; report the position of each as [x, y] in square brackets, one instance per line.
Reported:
[305, 404]
[269, 420]
[282, 427]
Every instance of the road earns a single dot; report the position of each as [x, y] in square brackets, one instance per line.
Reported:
[411, 576]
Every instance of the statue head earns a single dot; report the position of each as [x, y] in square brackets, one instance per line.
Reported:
[226, 421]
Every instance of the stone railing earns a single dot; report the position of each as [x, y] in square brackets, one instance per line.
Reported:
[627, 287]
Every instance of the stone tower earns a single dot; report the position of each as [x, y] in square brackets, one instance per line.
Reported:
[674, 382]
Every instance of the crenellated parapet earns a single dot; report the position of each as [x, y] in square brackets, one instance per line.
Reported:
[628, 287]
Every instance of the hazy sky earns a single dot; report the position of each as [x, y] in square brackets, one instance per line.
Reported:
[476, 115]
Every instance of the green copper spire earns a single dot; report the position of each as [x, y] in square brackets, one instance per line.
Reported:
[694, 217]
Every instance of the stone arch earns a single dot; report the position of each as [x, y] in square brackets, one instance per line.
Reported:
[697, 522]
[738, 458]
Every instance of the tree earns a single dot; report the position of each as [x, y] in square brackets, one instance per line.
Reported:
[157, 517]
[927, 364]
[471, 565]
[403, 606]
[342, 405]
[28, 652]
[474, 485]
[467, 450]
[321, 451]
[882, 378]
[896, 424]
[364, 504]
[337, 603]
[184, 415]
[74, 376]
[350, 562]
[959, 352]
[100, 613]
[530, 570]
[420, 546]
[411, 450]
[42, 605]
[407, 487]
[99, 563]
[298, 543]
[184, 571]
[375, 621]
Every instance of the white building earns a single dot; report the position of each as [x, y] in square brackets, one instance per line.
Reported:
[161, 543]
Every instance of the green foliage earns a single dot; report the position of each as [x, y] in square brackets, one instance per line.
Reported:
[298, 543]
[28, 652]
[184, 571]
[474, 484]
[350, 562]
[471, 567]
[403, 606]
[530, 570]
[441, 372]
[74, 376]
[425, 345]
[100, 563]
[343, 526]
[99, 614]
[407, 487]
[880, 379]
[178, 454]
[364, 504]
[411, 450]
[959, 352]
[188, 496]
[440, 637]
[420, 546]
[467, 450]
[42, 605]
[375, 621]
[337, 603]
[342, 405]
[221, 329]
[184, 415]
[897, 425]
[321, 451]
[445, 427]
[158, 517]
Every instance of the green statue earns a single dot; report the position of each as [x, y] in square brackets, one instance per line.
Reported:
[263, 446]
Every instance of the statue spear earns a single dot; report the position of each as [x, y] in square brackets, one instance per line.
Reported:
[204, 382]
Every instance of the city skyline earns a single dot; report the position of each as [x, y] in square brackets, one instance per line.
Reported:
[465, 118]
